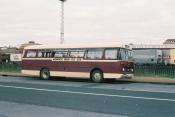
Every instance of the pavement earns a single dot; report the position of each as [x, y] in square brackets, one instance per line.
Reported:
[135, 79]
[11, 109]
[12, 74]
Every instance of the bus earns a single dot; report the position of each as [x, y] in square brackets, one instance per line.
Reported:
[97, 62]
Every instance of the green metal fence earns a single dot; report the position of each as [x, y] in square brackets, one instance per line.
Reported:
[155, 70]
[10, 67]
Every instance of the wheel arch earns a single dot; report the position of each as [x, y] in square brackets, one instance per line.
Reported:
[44, 68]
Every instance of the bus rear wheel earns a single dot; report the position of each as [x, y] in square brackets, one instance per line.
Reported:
[45, 74]
[97, 76]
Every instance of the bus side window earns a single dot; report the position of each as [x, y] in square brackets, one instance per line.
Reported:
[53, 54]
[111, 53]
[31, 54]
[61, 53]
[77, 53]
[48, 55]
[41, 54]
[94, 54]
[44, 54]
[58, 55]
[64, 54]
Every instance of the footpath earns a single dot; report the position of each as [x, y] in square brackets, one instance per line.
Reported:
[135, 79]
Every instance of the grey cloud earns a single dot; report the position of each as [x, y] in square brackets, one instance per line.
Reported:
[129, 21]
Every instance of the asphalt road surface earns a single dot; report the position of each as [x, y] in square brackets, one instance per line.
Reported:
[31, 97]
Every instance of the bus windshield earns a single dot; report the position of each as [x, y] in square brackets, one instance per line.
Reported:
[124, 54]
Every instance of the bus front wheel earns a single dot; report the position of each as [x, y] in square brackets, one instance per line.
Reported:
[97, 76]
[45, 74]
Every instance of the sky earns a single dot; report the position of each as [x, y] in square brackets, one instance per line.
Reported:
[87, 21]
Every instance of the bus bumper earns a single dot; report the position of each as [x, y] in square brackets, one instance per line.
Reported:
[127, 76]
[118, 76]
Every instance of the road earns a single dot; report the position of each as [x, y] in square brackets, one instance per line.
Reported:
[32, 97]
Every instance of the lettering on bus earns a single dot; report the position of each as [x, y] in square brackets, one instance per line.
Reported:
[67, 59]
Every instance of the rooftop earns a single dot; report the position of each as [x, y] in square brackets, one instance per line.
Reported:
[167, 46]
[169, 41]
[75, 46]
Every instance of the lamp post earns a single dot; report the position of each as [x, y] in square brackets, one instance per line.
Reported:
[62, 22]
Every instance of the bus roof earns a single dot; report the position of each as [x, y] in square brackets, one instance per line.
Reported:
[74, 46]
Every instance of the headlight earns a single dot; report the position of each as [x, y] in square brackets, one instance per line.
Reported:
[123, 69]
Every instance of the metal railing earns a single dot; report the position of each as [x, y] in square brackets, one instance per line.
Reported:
[155, 70]
[10, 67]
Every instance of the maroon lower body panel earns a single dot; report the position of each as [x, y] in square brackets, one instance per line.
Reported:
[72, 66]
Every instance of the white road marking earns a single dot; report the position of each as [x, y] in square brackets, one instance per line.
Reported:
[105, 86]
[137, 90]
[84, 93]
[142, 90]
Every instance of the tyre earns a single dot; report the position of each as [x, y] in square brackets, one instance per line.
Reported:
[45, 74]
[97, 76]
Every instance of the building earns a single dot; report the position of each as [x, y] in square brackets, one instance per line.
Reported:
[169, 41]
[9, 50]
[147, 56]
[5, 53]
[8, 54]
[153, 54]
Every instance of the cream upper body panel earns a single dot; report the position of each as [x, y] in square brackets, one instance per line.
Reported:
[74, 46]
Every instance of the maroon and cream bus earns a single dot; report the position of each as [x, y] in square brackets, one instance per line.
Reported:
[83, 61]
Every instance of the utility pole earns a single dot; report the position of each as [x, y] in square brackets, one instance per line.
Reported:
[62, 22]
